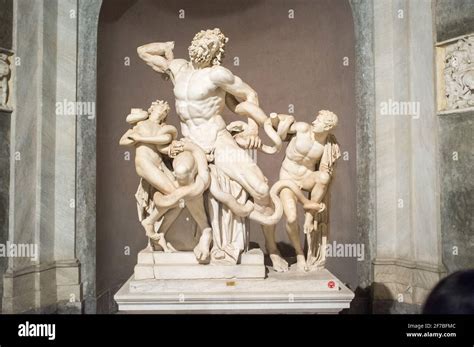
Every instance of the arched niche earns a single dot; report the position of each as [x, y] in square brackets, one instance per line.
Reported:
[288, 61]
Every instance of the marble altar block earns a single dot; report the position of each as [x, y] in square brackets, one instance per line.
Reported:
[183, 265]
[289, 292]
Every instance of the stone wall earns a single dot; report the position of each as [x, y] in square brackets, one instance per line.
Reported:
[455, 18]
[6, 31]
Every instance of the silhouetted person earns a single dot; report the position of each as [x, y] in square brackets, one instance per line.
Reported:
[454, 294]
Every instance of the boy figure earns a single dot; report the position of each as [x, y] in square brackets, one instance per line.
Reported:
[311, 145]
[152, 138]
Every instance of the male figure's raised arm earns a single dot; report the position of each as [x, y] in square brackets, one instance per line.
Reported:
[158, 55]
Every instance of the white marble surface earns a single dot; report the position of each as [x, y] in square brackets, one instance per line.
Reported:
[43, 149]
[183, 265]
[65, 133]
[289, 292]
[426, 237]
[407, 197]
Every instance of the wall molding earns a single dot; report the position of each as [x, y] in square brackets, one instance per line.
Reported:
[403, 281]
[39, 288]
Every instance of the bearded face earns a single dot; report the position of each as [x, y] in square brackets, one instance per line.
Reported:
[207, 48]
[203, 51]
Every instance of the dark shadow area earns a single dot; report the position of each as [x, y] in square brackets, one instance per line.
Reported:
[6, 23]
[454, 294]
[109, 14]
[362, 302]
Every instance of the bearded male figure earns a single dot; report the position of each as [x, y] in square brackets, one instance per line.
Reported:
[202, 88]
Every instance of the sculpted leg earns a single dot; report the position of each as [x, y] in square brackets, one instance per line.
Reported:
[159, 237]
[169, 218]
[289, 208]
[239, 166]
[197, 211]
[202, 249]
[278, 263]
[149, 224]
[319, 190]
[157, 178]
[254, 182]
[192, 176]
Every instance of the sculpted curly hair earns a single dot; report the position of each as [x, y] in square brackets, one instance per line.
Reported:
[207, 46]
[159, 103]
[328, 118]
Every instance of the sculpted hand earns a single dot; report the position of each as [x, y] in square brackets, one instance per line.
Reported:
[285, 118]
[134, 137]
[308, 226]
[176, 148]
[249, 139]
[164, 49]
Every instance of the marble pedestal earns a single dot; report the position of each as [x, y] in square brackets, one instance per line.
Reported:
[183, 265]
[290, 292]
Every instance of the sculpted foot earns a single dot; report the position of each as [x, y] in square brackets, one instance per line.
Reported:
[279, 264]
[301, 263]
[202, 250]
[154, 236]
[167, 247]
[160, 239]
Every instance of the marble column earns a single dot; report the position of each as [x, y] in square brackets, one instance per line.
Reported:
[363, 14]
[42, 191]
[408, 259]
[6, 26]
[67, 264]
[88, 22]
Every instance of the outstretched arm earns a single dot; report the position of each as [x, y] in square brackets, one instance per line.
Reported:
[153, 140]
[125, 139]
[166, 135]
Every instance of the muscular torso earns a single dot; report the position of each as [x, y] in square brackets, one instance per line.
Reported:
[302, 155]
[199, 104]
[145, 151]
